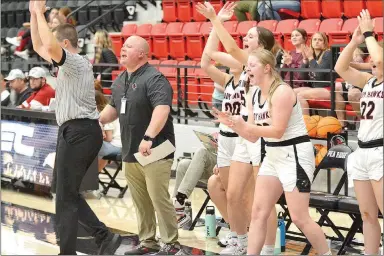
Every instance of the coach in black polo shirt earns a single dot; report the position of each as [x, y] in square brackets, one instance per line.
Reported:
[142, 98]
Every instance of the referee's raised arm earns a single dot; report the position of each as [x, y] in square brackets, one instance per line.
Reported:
[79, 135]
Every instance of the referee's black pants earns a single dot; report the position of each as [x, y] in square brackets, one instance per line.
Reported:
[79, 142]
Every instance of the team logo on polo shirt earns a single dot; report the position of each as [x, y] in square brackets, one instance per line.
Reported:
[134, 86]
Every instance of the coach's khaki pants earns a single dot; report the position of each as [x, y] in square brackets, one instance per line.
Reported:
[149, 190]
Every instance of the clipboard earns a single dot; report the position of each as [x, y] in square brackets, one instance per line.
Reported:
[208, 140]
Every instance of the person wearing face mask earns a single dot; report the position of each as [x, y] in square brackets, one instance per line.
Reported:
[42, 92]
[17, 82]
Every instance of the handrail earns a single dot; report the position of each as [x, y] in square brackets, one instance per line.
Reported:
[79, 8]
[101, 16]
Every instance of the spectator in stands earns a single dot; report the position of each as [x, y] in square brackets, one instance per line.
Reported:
[5, 94]
[17, 82]
[188, 174]
[23, 42]
[42, 92]
[265, 10]
[294, 58]
[104, 55]
[111, 134]
[318, 56]
[142, 98]
[247, 6]
[63, 14]
[98, 86]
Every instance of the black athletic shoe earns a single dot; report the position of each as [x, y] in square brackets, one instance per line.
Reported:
[110, 245]
[141, 250]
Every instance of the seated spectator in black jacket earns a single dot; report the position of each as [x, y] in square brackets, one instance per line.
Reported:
[17, 82]
[104, 55]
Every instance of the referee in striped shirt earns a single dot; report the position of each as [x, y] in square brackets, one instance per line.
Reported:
[79, 138]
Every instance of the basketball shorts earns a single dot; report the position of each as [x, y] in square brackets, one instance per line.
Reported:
[293, 163]
[226, 146]
[365, 164]
[247, 152]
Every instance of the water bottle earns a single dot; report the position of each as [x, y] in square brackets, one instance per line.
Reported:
[188, 212]
[277, 242]
[281, 225]
[210, 222]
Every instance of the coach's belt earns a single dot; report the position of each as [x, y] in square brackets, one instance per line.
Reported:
[370, 144]
[228, 134]
[290, 142]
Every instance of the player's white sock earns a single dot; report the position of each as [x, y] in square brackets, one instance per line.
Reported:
[268, 250]
[243, 240]
[328, 253]
[233, 234]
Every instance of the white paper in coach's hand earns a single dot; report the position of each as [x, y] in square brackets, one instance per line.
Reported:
[164, 149]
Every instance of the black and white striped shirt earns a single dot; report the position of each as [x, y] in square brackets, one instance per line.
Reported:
[75, 91]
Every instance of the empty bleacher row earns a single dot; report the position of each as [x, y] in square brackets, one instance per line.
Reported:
[185, 11]
[180, 41]
[15, 13]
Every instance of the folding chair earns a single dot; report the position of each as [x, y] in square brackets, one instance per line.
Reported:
[325, 203]
[112, 183]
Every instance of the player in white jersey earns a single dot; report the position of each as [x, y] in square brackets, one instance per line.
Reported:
[234, 101]
[365, 164]
[241, 171]
[289, 162]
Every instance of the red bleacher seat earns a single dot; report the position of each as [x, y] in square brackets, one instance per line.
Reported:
[193, 88]
[285, 27]
[170, 74]
[343, 36]
[375, 8]
[268, 24]
[176, 48]
[310, 25]
[128, 30]
[184, 10]
[144, 31]
[311, 9]
[379, 28]
[160, 41]
[154, 63]
[331, 25]
[352, 8]
[231, 27]
[320, 104]
[205, 85]
[117, 42]
[169, 10]
[217, 4]
[193, 40]
[332, 8]
[242, 30]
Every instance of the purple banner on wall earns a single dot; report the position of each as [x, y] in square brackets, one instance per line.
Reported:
[28, 151]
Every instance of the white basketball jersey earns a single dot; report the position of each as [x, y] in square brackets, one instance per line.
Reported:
[371, 110]
[234, 99]
[296, 126]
